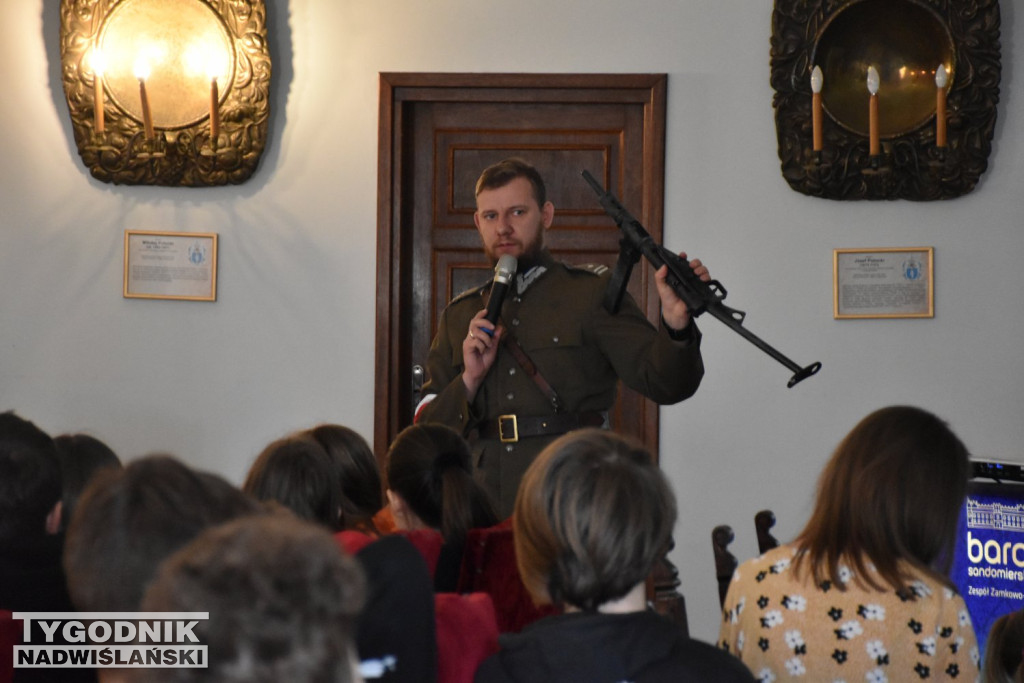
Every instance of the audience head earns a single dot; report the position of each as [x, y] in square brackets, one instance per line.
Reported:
[282, 599]
[297, 473]
[594, 513]
[430, 482]
[81, 456]
[29, 482]
[889, 496]
[129, 520]
[358, 474]
[1004, 650]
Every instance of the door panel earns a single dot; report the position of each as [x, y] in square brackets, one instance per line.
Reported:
[437, 133]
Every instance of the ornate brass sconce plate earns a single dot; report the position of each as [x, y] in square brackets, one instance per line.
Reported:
[906, 41]
[167, 92]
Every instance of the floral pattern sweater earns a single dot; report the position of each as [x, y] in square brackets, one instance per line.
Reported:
[786, 628]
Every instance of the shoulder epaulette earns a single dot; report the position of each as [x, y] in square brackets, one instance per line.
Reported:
[592, 268]
[474, 291]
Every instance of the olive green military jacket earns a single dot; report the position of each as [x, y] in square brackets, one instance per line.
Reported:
[578, 347]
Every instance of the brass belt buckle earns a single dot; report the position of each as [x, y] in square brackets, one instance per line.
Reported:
[513, 425]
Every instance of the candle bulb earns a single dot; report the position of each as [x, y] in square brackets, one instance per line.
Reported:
[816, 133]
[97, 91]
[214, 113]
[142, 73]
[874, 148]
[941, 79]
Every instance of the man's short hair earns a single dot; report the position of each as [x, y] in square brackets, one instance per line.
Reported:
[29, 479]
[504, 172]
[593, 515]
[129, 520]
[282, 598]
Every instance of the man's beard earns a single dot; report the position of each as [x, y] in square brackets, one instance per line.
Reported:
[530, 256]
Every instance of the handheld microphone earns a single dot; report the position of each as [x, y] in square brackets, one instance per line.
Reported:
[503, 274]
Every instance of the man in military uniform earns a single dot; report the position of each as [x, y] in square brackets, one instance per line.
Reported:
[553, 361]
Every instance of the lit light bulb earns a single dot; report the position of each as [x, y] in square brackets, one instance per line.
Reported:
[98, 62]
[141, 69]
[817, 80]
[873, 80]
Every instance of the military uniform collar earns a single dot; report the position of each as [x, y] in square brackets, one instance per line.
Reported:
[525, 279]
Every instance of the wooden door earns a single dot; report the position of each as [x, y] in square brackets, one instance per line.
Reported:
[437, 133]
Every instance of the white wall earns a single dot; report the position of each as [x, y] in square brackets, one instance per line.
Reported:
[290, 340]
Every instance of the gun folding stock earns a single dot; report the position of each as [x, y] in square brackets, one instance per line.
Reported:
[699, 296]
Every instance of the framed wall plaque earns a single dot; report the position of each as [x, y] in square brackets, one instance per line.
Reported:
[170, 265]
[883, 283]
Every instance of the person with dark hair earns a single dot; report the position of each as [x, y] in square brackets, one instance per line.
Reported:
[31, 576]
[298, 473]
[863, 592]
[282, 598]
[1004, 650]
[129, 520]
[80, 456]
[431, 486]
[553, 361]
[30, 484]
[358, 475]
[593, 515]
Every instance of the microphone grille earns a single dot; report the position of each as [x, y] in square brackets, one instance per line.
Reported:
[506, 268]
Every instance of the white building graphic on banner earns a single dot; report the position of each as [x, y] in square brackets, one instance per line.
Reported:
[995, 515]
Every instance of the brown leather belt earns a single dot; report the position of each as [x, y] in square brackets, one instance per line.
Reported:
[512, 428]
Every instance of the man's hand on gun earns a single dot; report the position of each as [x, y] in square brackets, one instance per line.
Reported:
[673, 309]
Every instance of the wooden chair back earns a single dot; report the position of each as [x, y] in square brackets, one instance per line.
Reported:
[725, 561]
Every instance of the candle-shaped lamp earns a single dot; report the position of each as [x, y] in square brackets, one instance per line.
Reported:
[874, 148]
[941, 79]
[142, 73]
[214, 108]
[96, 60]
[817, 81]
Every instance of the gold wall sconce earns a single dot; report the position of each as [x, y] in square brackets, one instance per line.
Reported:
[167, 92]
[885, 99]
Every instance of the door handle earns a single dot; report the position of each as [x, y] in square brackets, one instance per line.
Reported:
[417, 386]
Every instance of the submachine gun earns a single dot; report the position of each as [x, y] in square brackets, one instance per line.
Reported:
[699, 296]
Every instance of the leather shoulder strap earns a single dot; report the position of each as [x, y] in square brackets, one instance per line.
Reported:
[531, 369]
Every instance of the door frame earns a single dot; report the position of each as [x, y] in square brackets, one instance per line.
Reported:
[399, 88]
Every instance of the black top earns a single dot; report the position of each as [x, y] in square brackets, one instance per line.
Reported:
[396, 630]
[32, 580]
[638, 647]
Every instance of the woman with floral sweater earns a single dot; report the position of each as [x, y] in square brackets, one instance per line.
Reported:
[857, 597]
